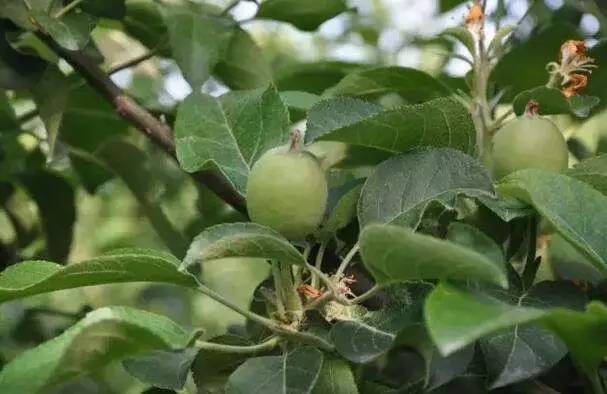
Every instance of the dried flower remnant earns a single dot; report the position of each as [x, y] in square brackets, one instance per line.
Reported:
[577, 83]
[343, 285]
[570, 73]
[309, 291]
[476, 18]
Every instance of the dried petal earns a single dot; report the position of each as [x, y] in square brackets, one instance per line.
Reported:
[577, 83]
[475, 17]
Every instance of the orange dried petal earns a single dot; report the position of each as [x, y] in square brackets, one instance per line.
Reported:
[475, 16]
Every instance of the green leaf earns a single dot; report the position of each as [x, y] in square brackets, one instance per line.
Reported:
[8, 119]
[244, 65]
[463, 35]
[456, 318]
[86, 110]
[593, 171]
[17, 70]
[584, 334]
[359, 342]
[496, 47]
[442, 370]
[473, 238]
[231, 132]
[523, 351]
[397, 254]
[51, 95]
[57, 210]
[167, 369]
[341, 208]
[402, 187]
[599, 76]
[292, 373]
[413, 85]
[576, 210]
[305, 15]
[144, 21]
[17, 11]
[103, 336]
[241, 240]
[335, 377]
[443, 122]
[72, 31]
[553, 102]
[124, 265]
[313, 77]
[302, 101]
[507, 208]
[372, 334]
[112, 9]
[568, 263]
[446, 5]
[213, 368]
[133, 167]
[299, 103]
[198, 42]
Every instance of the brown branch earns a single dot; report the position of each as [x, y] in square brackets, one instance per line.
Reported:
[136, 61]
[157, 131]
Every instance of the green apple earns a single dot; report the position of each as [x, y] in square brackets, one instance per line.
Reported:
[287, 191]
[529, 141]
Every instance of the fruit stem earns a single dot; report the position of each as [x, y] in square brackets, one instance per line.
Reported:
[278, 329]
[532, 108]
[278, 288]
[67, 9]
[366, 295]
[318, 263]
[291, 300]
[346, 261]
[531, 262]
[295, 145]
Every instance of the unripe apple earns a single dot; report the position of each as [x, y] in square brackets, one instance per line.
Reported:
[529, 141]
[287, 191]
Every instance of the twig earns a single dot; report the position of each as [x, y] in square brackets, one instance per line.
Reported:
[278, 289]
[55, 312]
[498, 122]
[318, 263]
[331, 286]
[531, 263]
[27, 5]
[67, 8]
[157, 131]
[324, 298]
[366, 295]
[346, 260]
[135, 61]
[284, 331]
[520, 22]
[251, 349]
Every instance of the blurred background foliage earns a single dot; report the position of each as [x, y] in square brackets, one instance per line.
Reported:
[129, 194]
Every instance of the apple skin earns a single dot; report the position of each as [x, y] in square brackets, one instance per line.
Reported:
[529, 141]
[287, 191]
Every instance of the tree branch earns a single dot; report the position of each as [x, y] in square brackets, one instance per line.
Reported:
[157, 131]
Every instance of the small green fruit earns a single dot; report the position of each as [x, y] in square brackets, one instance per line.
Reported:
[529, 141]
[287, 191]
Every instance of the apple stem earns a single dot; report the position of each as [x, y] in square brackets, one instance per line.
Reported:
[295, 145]
[532, 108]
